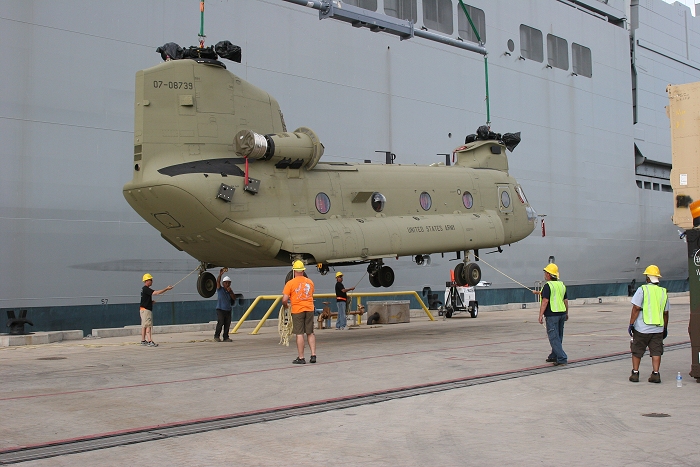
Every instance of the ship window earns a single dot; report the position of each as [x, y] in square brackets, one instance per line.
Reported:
[378, 202]
[655, 187]
[465, 30]
[531, 43]
[402, 9]
[639, 183]
[647, 185]
[581, 56]
[468, 200]
[666, 188]
[425, 201]
[323, 203]
[437, 14]
[557, 52]
[366, 4]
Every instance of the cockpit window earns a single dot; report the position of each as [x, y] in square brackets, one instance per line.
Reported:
[521, 194]
[323, 203]
[468, 200]
[378, 202]
[425, 201]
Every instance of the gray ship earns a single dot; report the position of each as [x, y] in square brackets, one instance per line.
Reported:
[583, 81]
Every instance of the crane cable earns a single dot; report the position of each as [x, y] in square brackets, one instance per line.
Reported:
[285, 325]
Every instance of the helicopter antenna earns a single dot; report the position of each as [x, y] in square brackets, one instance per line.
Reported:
[201, 24]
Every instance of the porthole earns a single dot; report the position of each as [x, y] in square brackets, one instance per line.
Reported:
[511, 45]
[323, 203]
[468, 200]
[378, 202]
[425, 201]
[505, 199]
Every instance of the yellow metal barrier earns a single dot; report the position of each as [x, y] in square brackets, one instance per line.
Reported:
[277, 298]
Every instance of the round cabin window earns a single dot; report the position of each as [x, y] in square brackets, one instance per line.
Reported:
[468, 200]
[323, 203]
[378, 202]
[425, 201]
[505, 199]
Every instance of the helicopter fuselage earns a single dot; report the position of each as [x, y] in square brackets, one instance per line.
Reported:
[207, 194]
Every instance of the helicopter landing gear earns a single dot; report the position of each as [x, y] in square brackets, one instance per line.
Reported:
[322, 268]
[380, 275]
[206, 284]
[467, 274]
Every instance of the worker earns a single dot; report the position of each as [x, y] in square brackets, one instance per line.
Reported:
[650, 327]
[341, 298]
[300, 292]
[146, 309]
[555, 308]
[225, 298]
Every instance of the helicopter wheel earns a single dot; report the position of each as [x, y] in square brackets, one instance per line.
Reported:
[323, 269]
[472, 274]
[460, 278]
[374, 279]
[386, 276]
[206, 284]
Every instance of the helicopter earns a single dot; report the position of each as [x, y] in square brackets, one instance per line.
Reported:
[219, 175]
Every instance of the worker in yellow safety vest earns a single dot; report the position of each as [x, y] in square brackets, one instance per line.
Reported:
[649, 328]
[554, 308]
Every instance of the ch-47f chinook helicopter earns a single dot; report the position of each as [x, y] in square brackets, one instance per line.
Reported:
[219, 175]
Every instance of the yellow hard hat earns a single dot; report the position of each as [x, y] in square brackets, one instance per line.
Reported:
[652, 270]
[338, 274]
[147, 277]
[298, 266]
[552, 269]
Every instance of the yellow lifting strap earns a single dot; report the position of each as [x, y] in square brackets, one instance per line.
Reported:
[284, 325]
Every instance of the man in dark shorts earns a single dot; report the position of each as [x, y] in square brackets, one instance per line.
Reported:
[300, 291]
[147, 309]
[224, 305]
[649, 328]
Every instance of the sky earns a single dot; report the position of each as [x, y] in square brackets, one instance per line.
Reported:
[689, 3]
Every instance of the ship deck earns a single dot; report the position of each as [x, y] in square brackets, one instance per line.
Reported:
[450, 392]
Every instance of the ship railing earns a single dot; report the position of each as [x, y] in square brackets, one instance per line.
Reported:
[277, 298]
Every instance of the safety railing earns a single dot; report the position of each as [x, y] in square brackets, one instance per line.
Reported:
[277, 298]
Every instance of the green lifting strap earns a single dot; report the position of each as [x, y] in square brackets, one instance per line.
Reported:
[486, 61]
[201, 20]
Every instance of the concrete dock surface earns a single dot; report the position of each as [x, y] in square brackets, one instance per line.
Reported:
[460, 391]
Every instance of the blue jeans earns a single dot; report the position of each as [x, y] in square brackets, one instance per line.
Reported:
[555, 333]
[342, 321]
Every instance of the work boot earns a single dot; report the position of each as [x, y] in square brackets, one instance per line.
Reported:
[227, 340]
[634, 377]
[217, 339]
[655, 377]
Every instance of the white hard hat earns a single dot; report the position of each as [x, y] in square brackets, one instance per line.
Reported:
[226, 278]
